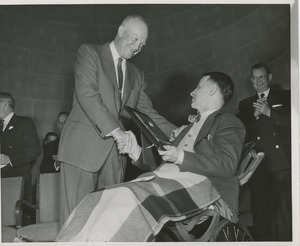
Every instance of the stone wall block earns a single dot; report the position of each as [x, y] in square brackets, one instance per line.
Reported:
[237, 35]
[15, 58]
[205, 19]
[36, 86]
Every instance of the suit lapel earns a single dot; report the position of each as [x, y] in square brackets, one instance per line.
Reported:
[108, 64]
[270, 98]
[203, 131]
[128, 83]
[206, 126]
[11, 123]
[110, 72]
[182, 134]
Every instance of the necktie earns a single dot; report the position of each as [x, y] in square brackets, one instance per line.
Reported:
[1, 125]
[262, 95]
[194, 118]
[120, 74]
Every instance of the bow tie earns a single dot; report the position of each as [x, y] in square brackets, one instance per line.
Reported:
[194, 118]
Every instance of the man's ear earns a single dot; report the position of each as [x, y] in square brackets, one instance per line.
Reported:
[214, 88]
[121, 30]
[270, 76]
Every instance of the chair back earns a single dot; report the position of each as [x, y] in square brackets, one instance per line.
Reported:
[12, 190]
[248, 165]
[48, 197]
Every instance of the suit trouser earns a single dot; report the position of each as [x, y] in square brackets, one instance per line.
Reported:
[271, 205]
[76, 183]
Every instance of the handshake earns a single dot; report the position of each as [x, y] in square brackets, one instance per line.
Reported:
[127, 143]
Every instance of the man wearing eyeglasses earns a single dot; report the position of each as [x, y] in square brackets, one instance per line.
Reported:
[266, 116]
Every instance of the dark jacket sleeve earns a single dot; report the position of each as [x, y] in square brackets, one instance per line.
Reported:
[219, 155]
[31, 148]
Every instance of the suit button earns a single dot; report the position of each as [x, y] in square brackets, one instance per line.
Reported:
[277, 146]
[274, 133]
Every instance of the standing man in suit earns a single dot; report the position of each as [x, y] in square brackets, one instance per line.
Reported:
[105, 81]
[20, 144]
[267, 119]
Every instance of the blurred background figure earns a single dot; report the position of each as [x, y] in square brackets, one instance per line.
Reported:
[61, 120]
[267, 118]
[49, 163]
[20, 144]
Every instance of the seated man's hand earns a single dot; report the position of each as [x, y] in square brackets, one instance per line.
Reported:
[171, 153]
[4, 160]
[176, 132]
[119, 135]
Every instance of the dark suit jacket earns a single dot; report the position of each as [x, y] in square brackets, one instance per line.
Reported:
[21, 143]
[271, 135]
[218, 148]
[96, 107]
[47, 164]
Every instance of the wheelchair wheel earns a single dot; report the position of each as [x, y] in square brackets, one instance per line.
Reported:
[227, 231]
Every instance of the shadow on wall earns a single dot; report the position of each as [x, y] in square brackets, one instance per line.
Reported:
[175, 98]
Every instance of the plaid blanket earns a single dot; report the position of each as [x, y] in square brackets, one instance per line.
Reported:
[136, 211]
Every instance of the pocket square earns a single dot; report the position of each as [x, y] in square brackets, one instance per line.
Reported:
[11, 127]
[276, 105]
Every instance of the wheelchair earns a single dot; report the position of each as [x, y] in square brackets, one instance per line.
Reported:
[208, 225]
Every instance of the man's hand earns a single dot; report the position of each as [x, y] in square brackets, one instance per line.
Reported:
[4, 160]
[171, 153]
[119, 135]
[129, 146]
[176, 132]
[261, 107]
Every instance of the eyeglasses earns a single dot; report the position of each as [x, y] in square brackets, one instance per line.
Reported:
[261, 77]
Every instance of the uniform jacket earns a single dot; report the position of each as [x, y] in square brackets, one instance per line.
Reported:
[272, 135]
[218, 148]
[20, 142]
[96, 107]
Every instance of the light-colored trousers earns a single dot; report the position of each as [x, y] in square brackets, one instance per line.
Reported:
[76, 183]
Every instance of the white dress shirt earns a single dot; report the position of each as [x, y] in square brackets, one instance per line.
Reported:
[7, 120]
[188, 141]
[116, 56]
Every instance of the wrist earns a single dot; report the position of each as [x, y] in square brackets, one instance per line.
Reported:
[135, 154]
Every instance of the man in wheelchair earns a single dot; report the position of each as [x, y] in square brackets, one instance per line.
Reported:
[197, 172]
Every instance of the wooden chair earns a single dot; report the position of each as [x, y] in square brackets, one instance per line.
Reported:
[12, 190]
[46, 226]
[216, 228]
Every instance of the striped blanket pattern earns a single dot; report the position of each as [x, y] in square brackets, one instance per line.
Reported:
[136, 211]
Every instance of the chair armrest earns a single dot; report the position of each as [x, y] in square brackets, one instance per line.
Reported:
[21, 215]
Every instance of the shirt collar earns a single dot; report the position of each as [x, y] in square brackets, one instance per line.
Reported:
[207, 113]
[114, 52]
[264, 92]
[7, 119]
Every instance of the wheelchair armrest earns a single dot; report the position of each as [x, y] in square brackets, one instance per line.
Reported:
[24, 209]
